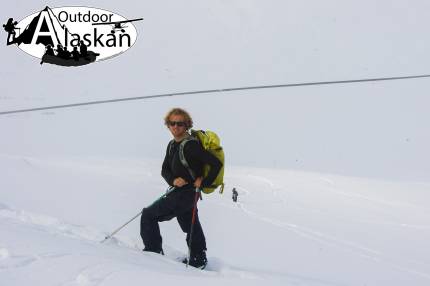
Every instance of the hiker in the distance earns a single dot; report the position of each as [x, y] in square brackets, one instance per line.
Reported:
[179, 202]
[234, 195]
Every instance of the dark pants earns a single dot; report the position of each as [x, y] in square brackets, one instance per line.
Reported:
[179, 204]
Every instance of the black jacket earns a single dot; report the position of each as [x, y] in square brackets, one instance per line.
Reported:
[196, 157]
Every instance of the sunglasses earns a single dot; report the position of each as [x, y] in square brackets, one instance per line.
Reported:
[177, 123]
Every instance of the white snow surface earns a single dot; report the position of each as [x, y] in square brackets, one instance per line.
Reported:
[287, 228]
[333, 181]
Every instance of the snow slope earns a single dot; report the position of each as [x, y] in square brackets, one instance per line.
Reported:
[69, 177]
[288, 227]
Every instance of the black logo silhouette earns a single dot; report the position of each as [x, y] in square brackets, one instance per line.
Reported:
[63, 57]
[45, 29]
[27, 35]
[10, 28]
[118, 25]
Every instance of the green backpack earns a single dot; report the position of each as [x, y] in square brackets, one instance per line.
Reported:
[210, 142]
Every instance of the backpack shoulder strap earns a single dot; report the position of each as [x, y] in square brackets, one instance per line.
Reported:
[182, 156]
[169, 147]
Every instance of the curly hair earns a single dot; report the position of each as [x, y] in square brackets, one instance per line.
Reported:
[179, 111]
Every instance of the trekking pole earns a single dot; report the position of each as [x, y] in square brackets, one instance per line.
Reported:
[121, 227]
[169, 190]
[193, 220]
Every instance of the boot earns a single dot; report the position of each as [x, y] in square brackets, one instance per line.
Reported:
[197, 260]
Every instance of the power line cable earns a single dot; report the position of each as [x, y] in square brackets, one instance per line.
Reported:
[216, 91]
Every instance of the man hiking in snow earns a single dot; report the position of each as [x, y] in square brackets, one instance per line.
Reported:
[180, 202]
[234, 195]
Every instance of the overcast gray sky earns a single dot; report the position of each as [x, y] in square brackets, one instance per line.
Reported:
[370, 129]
